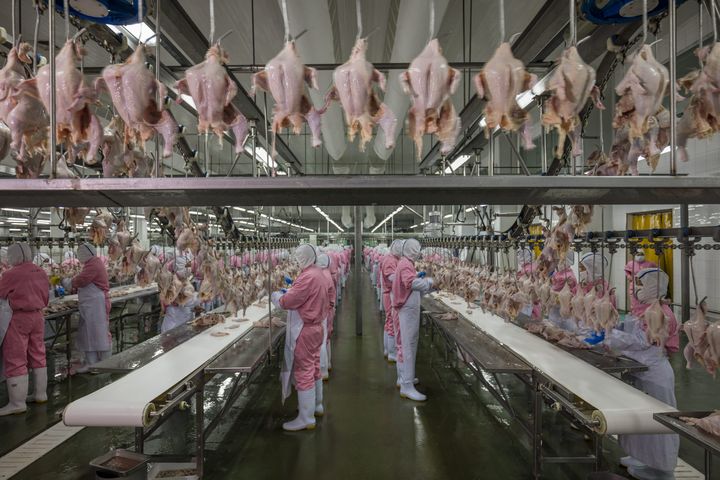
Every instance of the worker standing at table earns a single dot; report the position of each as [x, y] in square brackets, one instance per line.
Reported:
[26, 288]
[631, 269]
[176, 314]
[649, 456]
[92, 287]
[407, 287]
[388, 267]
[323, 262]
[306, 302]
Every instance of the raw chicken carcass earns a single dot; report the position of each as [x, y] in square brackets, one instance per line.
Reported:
[285, 77]
[657, 324]
[213, 90]
[76, 125]
[646, 81]
[134, 91]
[499, 83]
[430, 81]
[606, 316]
[709, 424]
[712, 354]
[572, 84]
[577, 306]
[149, 268]
[565, 299]
[353, 87]
[20, 105]
[695, 330]
[100, 227]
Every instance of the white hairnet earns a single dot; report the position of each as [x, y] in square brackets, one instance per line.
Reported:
[654, 284]
[593, 263]
[19, 253]
[323, 261]
[3, 254]
[411, 249]
[305, 255]
[85, 252]
[155, 250]
[41, 258]
[396, 247]
[524, 257]
[181, 266]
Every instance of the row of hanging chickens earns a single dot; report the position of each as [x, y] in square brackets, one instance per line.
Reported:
[127, 260]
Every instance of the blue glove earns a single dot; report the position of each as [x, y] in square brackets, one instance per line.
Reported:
[60, 291]
[288, 280]
[595, 338]
[283, 290]
[421, 274]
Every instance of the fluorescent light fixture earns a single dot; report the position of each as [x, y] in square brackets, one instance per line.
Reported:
[42, 222]
[420, 225]
[261, 155]
[139, 31]
[395, 212]
[137, 216]
[15, 219]
[188, 99]
[15, 230]
[18, 210]
[457, 163]
[327, 217]
[277, 220]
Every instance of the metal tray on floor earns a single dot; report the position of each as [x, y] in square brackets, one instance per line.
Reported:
[127, 463]
[672, 420]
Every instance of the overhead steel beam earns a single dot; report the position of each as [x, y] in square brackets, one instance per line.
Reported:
[359, 190]
[180, 30]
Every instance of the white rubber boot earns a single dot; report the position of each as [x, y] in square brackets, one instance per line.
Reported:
[319, 409]
[17, 392]
[631, 462]
[407, 383]
[90, 359]
[306, 413]
[39, 394]
[392, 355]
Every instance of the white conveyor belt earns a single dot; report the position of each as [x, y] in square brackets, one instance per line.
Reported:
[620, 408]
[127, 402]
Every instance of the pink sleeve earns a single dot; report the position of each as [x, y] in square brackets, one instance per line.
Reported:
[86, 276]
[6, 284]
[407, 274]
[298, 294]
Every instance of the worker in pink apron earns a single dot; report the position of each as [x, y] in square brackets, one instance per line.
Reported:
[306, 302]
[387, 270]
[94, 305]
[26, 288]
[649, 456]
[631, 269]
[323, 262]
[407, 288]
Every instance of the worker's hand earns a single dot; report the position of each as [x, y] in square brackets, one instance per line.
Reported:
[595, 338]
[275, 298]
[288, 280]
[421, 274]
[283, 291]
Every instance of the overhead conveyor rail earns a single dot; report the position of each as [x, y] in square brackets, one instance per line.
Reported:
[359, 190]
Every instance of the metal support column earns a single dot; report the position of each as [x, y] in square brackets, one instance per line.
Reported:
[157, 78]
[543, 139]
[200, 429]
[358, 271]
[537, 427]
[491, 159]
[672, 7]
[270, 269]
[53, 106]
[685, 266]
[139, 438]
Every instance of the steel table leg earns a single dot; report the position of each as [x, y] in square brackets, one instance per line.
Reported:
[537, 429]
[598, 452]
[200, 429]
[708, 464]
[139, 439]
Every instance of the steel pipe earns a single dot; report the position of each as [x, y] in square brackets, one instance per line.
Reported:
[53, 106]
[358, 272]
[672, 9]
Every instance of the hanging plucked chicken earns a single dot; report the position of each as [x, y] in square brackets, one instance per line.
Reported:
[430, 82]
